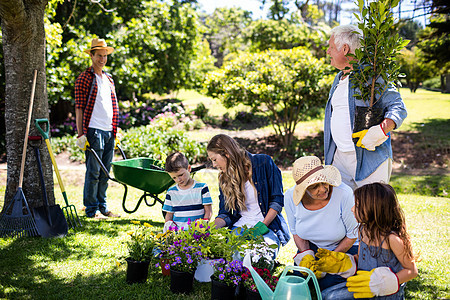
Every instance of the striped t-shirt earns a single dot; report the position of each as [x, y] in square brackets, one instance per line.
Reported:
[187, 204]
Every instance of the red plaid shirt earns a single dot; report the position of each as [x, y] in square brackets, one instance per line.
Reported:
[85, 94]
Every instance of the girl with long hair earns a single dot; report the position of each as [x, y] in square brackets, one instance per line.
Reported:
[251, 190]
[385, 258]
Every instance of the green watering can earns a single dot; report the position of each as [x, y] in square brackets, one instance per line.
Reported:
[288, 287]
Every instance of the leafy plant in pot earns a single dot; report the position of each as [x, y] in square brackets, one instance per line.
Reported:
[140, 252]
[375, 65]
[183, 255]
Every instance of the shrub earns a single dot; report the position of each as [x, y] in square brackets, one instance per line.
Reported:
[433, 83]
[285, 85]
[201, 111]
[156, 141]
[244, 117]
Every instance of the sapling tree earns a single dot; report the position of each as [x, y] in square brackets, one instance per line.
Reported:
[380, 46]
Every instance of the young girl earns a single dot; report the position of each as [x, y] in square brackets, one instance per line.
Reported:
[385, 258]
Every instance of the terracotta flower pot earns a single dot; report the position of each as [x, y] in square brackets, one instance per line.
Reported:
[181, 282]
[137, 271]
[163, 263]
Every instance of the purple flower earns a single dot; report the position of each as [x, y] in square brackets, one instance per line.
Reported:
[221, 277]
[190, 261]
[167, 267]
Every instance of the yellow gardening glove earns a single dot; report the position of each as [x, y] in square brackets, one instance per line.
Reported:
[333, 262]
[307, 259]
[370, 138]
[82, 142]
[119, 137]
[377, 282]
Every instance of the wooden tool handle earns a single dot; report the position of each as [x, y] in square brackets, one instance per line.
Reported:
[30, 111]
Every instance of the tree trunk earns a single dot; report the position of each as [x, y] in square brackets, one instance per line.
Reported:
[22, 23]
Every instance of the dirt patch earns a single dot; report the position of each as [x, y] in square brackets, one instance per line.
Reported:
[414, 157]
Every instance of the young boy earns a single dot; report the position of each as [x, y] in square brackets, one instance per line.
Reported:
[188, 199]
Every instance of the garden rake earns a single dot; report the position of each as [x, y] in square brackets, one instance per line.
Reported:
[69, 210]
[18, 223]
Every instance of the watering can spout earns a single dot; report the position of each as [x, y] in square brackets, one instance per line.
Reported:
[264, 290]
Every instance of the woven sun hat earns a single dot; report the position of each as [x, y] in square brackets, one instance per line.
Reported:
[98, 44]
[309, 170]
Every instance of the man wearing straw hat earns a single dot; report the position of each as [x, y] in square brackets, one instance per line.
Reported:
[97, 115]
[319, 214]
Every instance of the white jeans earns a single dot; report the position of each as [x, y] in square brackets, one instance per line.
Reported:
[346, 164]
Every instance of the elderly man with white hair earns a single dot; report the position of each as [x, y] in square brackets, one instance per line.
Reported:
[372, 161]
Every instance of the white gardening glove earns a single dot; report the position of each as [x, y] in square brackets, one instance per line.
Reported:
[169, 224]
[333, 262]
[82, 142]
[377, 282]
[307, 259]
[370, 138]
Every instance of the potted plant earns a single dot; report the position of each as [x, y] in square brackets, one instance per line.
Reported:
[265, 266]
[226, 278]
[183, 255]
[374, 64]
[140, 251]
[251, 290]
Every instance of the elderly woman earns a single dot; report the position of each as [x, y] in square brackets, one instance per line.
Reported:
[251, 190]
[319, 213]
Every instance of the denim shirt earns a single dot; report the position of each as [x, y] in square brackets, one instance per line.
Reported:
[367, 161]
[268, 182]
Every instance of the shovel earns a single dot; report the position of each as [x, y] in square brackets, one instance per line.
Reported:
[50, 220]
[69, 210]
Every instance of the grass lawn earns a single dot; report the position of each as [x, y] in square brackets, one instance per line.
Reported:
[89, 262]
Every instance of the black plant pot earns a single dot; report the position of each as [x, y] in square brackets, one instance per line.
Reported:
[221, 291]
[366, 117]
[252, 295]
[181, 282]
[137, 271]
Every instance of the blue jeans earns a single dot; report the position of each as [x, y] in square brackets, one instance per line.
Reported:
[340, 292]
[96, 182]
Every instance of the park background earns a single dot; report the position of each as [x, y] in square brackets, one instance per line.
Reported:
[172, 70]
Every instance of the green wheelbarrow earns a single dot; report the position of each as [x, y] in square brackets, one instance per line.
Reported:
[142, 173]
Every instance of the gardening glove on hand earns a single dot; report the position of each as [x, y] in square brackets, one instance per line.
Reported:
[119, 137]
[370, 138]
[333, 262]
[259, 229]
[377, 282]
[82, 142]
[169, 224]
[307, 259]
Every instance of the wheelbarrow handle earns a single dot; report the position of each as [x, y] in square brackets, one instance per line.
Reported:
[199, 168]
[44, 134]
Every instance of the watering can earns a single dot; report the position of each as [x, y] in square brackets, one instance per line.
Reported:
[288, 287]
